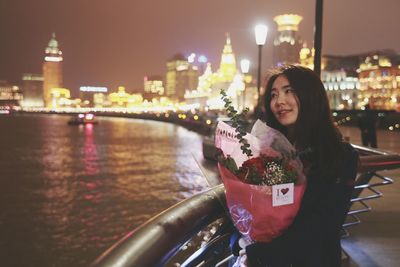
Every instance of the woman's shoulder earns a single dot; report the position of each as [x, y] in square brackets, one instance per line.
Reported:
[349, 152]
[350, 161]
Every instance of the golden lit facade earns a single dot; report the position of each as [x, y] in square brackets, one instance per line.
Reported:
[153, 85]
[123, 99]
[52, 70]
[379, 83]
[181, 76]
[10, 95]
[100, 100]
[306, 57]
[287, 44]
[32, 87]
[227, 77]
[227, 67]
[87, 95]
[59, 98]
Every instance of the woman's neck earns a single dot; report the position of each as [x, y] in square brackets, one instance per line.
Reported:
[290, 134]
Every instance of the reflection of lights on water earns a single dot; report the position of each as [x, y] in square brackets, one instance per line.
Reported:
[90, 152]
[89, 129]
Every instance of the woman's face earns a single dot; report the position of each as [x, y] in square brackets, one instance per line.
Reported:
[284, 102]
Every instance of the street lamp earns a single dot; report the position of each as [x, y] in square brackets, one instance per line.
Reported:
[261, 35]
[244, 66]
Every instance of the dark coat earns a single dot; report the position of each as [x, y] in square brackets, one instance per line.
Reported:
[313, 240]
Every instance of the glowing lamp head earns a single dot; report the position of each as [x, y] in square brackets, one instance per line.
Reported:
[245, 66]
[261, 33]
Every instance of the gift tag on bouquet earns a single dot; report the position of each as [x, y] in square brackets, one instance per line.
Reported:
[282, 194]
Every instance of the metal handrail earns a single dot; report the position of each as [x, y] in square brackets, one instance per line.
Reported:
[153, 243]
[158, 240]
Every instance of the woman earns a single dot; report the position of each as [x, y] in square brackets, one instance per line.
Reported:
[296, 104]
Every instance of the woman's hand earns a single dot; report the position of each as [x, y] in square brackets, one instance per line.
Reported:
[242, 261]
[243, 243]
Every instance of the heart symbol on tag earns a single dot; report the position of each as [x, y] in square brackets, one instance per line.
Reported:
[284, 190]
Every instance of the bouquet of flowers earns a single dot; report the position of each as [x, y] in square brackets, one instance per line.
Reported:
[263, 177]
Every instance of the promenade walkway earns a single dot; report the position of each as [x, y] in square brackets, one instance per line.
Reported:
[376, 241]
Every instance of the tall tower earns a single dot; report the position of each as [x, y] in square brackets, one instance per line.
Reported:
[287, 44]
[52, 70]
[227, 67]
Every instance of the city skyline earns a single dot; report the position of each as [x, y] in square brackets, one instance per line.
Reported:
[113, 44]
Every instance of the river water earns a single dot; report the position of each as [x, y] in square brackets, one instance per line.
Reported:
[67, 193]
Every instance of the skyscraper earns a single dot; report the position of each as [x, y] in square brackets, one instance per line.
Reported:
[181, 76]
[52, 70]
[287, 44]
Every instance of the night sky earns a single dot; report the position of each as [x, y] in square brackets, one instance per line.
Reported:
[118, 42]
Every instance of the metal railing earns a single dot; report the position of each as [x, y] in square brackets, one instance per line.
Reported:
[195, 232]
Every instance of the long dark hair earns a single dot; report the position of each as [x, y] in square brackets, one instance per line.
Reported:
[314, 127]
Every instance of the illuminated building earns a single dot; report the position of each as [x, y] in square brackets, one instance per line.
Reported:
[379, 82]
[355, 80]
[122, 99]
[341, 86]
[91, 96]
[227, 67]
[32, 90]
[52, 70]
[181, 76]
[59, 97]
[203, 91]
[100, 100]
[306, 57]
[287, 44]
[227, 77]
[153, 85]
[10, 95]
[342, 90]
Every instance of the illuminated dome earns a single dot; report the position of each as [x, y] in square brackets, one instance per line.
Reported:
[53, 43]
[53, 53]
[288, 22]
[52, 48]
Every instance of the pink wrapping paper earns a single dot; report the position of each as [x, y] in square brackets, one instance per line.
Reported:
[250, 206]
